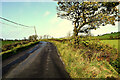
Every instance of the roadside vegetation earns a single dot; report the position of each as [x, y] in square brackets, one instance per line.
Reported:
[9, 42]
[8, 45]
[90, 56]
[83, 56]
[14, 49]
[86, 58]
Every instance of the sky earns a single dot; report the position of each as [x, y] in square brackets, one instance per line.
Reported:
[43, 16]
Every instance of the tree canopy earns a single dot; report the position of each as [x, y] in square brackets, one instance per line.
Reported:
[92, 14]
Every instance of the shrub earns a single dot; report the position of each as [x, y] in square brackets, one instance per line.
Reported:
[111, 37]
[106, 52]
[118, 36]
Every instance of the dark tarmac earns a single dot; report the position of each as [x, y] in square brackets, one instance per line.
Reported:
[40, 62]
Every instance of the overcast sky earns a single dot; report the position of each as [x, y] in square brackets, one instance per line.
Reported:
[43, 16]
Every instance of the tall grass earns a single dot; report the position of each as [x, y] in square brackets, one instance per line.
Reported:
[82, 62]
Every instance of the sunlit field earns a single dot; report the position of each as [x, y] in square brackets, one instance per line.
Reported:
[113, 43]
[8, 42]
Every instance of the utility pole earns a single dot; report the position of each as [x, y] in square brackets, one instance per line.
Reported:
[35, 30]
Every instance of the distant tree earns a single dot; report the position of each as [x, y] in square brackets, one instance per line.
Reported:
[30, 38]
[111, 37]
[16, 39]
[112, 32]
[92, 14]
[33, 37]
[25, 38]
[40, 37]
[1, 39]
[44, 36]
[69, 34]
[47, 36]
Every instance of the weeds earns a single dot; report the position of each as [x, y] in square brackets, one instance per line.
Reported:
[86, 58]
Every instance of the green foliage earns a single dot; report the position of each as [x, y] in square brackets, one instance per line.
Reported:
[104, 51]
[88, 13]
[87, 58]
[8, 45]
[111, 37]
[16, 49]
[33, 37]
[79, 65]
[116, 64]
[9, 42]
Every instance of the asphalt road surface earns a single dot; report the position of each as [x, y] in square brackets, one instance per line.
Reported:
[41, 61]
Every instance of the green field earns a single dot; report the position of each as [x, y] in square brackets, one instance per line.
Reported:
[107, 36]
[15, 50]
[113, 43]
[9, 42]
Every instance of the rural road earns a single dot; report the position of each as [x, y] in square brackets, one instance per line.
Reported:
[42, 61]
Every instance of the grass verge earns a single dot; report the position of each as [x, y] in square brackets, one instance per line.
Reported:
[9, 42]
[16, 49]
[78, 64]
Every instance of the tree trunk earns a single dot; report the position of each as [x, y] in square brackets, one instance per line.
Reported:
[75, 33]
[75, 30]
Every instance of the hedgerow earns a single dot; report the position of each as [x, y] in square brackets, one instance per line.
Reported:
[97, 50]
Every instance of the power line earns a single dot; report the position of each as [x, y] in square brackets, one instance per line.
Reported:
[10, 25]
[17, 24]
[14, 22]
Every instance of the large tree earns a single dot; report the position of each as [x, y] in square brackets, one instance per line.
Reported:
[92, 14]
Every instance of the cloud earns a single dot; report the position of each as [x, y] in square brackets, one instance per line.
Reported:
[106, 29]
[55, 20]
[46, 13]
[61, 27]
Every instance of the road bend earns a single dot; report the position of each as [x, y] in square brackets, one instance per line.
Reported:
[42, 61]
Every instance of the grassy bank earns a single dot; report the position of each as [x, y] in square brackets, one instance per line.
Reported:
[84, 63]
[9, 42]
[16, 49]
[78, 66]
